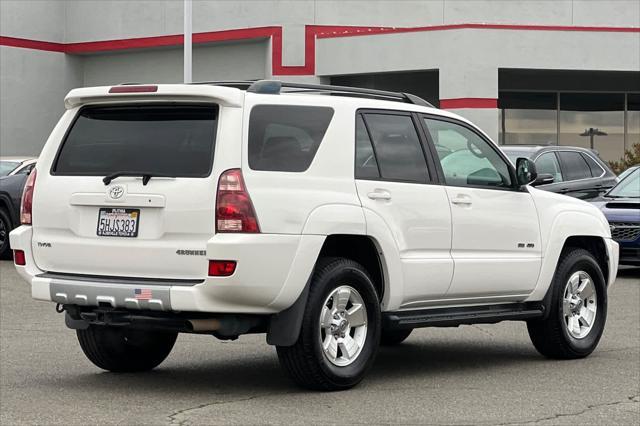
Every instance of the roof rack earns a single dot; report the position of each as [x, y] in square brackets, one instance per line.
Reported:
[274, 87]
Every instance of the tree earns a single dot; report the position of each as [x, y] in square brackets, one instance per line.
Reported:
[631, 158]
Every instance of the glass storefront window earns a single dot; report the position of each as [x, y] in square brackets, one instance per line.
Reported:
[593, 120]
[528, 118]
[633, 120]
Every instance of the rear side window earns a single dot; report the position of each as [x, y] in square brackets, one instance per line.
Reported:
[574, 166]
[596, 170]
[156, 139]
[366, 164]
[397, 147]
[286, 138]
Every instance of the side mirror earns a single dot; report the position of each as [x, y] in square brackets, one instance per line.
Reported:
[525, 171]
[543, 179]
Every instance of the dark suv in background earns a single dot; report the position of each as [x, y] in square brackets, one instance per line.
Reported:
[13, 175]
[574, 171]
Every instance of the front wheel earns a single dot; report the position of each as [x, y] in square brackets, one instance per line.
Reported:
[120, 349]
[340, 330]
[578, 309]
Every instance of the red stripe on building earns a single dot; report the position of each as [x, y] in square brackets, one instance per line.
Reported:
[32, 44]
[458, 103]
[364, 31]
[275, 33]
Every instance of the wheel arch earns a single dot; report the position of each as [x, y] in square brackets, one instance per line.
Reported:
[361, 249]
[284, 327]
[581, 229]
[591, 243]
[594, 245]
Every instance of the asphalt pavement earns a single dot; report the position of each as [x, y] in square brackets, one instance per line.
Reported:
[487, 374]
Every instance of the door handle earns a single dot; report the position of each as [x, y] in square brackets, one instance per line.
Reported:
[462, 200]
[379, 194]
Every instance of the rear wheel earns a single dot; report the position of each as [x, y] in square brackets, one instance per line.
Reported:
[340, 330]
[120, 349]
[578, 309]
[5, 228]
[394, 337]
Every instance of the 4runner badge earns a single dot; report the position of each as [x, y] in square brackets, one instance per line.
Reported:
[191, 252]
[116, 192]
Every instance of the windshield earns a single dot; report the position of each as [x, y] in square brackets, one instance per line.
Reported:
[161, 140]
[7, 167]
[627, 187]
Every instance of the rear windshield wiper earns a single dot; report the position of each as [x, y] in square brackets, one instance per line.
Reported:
[145, 176]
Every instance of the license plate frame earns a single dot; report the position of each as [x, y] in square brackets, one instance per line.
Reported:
[118, 214]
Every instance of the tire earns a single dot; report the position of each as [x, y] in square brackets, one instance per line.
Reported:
[394, 337]
[123, 350]
[342, 365]
[5, 228]
[557, 336]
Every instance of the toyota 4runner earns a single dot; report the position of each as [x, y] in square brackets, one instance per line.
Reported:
[332, 219]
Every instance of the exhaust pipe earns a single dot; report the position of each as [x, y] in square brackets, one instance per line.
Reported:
[209, 324]
[224, 326]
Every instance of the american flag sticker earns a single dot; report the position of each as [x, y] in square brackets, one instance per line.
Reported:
[142, 293]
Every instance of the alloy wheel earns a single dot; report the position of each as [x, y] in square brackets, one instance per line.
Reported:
[343, 326]
[579, 304]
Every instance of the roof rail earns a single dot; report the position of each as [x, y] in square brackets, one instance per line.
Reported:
[274, 87]
[238, 84]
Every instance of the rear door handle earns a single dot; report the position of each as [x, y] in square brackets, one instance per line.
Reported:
[462, 200]
[379, 194]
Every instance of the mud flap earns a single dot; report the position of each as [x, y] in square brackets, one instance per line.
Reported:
[284, 327]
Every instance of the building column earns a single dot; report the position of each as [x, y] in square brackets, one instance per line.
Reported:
[471, 91]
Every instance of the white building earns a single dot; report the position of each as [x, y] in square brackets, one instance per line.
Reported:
[524, 71]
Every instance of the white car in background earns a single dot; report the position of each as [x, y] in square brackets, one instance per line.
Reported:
[10, 166]
[319, 215]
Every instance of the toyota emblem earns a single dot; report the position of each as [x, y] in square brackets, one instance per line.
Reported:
[116, 192]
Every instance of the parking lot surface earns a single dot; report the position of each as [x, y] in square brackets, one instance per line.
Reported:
[487, 374]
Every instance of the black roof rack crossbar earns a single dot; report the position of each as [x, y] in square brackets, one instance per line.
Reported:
[274, 87]
[238, 84]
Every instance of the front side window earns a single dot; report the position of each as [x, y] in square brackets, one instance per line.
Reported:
[397, 147]
[466, 158]
[574, 166]
[547, 163]
[285, 138]
[169, 140]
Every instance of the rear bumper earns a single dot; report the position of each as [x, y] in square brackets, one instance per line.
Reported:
[271, 273]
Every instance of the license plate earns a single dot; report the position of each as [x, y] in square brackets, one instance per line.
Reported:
[114, 222]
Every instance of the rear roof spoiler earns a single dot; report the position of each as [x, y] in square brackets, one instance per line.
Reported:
[226, 96]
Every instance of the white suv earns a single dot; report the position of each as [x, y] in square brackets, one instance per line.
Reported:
[332, 219]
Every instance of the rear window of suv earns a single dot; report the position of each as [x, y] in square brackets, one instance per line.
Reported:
[285, 138]
[169, 140]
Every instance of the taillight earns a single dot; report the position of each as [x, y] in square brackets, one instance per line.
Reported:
[221, 268]
[19, 258]
[234, 210]
[26, 206]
